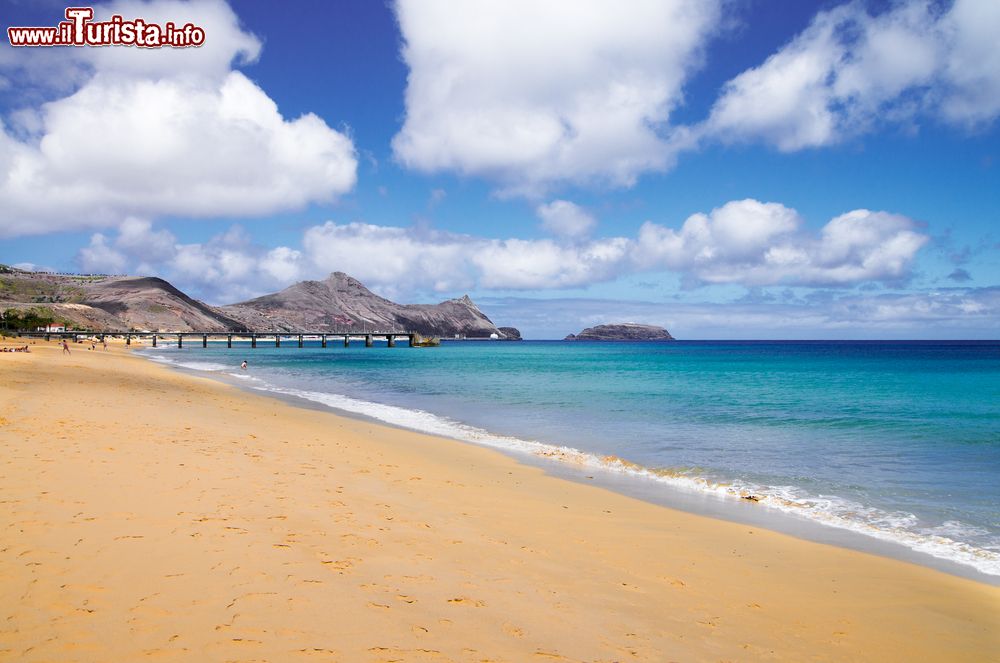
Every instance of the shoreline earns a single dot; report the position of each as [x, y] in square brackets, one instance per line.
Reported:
[210, 520]
[620, 476]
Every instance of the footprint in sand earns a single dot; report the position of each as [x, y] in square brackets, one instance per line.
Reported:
[513, 631]
[340, 565]
[327, 654]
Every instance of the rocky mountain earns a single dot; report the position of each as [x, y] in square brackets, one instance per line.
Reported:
[341, 303]
[116, 303]
[627, 331]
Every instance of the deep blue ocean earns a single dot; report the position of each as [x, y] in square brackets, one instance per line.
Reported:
[899, 441]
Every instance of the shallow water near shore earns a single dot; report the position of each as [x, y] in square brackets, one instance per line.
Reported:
[897, 441]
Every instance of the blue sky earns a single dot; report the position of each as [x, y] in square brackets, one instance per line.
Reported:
[727, 169]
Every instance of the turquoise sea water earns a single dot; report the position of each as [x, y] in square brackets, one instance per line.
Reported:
[896, 440]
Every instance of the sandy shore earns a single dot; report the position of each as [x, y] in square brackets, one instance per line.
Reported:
[149, 513]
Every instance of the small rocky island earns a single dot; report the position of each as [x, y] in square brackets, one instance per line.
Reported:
[509, 333]
[628, 331]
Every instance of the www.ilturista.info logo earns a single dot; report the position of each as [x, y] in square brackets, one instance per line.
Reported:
[80, 30]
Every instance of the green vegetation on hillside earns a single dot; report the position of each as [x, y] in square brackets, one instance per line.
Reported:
[16, 289]
[26, 319]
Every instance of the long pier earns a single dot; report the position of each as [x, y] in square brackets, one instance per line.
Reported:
[299, 337]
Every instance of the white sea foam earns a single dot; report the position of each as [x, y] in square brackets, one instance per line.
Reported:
[943, 542]
[203, 366]
[190, 365]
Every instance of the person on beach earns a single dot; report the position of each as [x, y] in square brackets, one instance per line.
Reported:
[66, 348]
[244, 365]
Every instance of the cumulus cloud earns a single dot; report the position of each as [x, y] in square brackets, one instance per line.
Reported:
[755, 243]
[442, 262]
[165, 132]
[226, 268]
[850, 70]
[529, 264]
[137, 246]
[565, 219]
[744, 242]
[531, 94]
[136, 237]
[101, 258]
[386, 255]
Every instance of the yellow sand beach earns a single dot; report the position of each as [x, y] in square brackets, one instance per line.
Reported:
[148, 513]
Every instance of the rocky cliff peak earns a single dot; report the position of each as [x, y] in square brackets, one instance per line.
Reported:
[342, 302]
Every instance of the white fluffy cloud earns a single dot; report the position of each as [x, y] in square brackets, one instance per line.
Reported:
[566, 219]
[529, 264]
[851, 70]
[227, 268]
[536, 93]
[99, 257]
[388, 256]
[754, 243]
[743, 242]
[165, 132]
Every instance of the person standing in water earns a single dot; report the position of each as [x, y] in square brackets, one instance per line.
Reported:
[244, 365]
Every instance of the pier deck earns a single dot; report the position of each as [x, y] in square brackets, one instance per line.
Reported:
[298, 337]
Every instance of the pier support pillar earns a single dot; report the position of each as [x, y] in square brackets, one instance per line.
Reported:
[48, 337]
[229, 341]
[368, 340]
[253, 341]
[128, 339]
[154, 340]
[300, 340]
[277, 340]
[391, 340]
[347, 340]
[180, 341]
[204, 340]
[323, 340]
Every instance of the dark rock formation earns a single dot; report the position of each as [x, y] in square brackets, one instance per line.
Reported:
[342, 303]
[628, 331]
[509, 333]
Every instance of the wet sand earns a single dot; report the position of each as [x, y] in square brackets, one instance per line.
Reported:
[149, 513]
